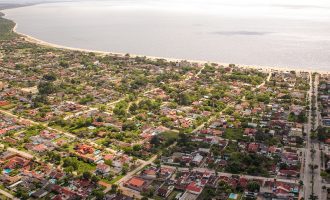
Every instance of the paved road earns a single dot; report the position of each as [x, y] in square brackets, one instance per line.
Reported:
[316, 160]
[131, 173]
[21, 153]
[8, 195]
[37, 123]
[318, 120]
[267, 80]
[307, 155]
[260, 178]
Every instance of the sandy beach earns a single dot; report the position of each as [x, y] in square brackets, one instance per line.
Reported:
[200, 62]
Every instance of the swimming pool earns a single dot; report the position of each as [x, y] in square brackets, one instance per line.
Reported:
[232, 196]
[7, 171]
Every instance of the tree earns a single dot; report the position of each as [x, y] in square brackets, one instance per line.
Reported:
[22, 194]
[125, 168]
[253, 186]
[87, 175]
[99, 194]
[137, 147]
[129, 126]
[69, 170]
[49, 77]
[86, 99]
[155, 140]
[73, 162]
[114, 188]
[183, 139]
[225, 187]
[46, 88]
[133, 108]
[95, 179]
[313, 197]
[64, 64]
[108, 162]
[184, 99]
[102, 108]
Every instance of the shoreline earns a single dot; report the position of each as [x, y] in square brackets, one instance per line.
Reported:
[200, 62]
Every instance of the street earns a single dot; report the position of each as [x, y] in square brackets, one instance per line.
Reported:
[311, 145]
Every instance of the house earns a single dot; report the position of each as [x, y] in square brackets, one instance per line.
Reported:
[117, 197]
[56, 174]
[296, 132]
[88, 153]
[103, 169]
[40, 148]
[84, 149]
[288, 173]
[39, 193]
[4, 103]
[3, 132]
[250, 132]
[290, 158]
[197, 160]
[10, 140]
[16, 162]
[136, 183]
[253, 125]
[2, 85]
[185, 123]
[253, 147]
[108, 157]
[9, 180]
[149, 174]
[165, 191]
[48, 135]
[194, 188]
[328, 164]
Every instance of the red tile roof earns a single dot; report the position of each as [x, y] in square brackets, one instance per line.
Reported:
[136, 182]
[193, 187]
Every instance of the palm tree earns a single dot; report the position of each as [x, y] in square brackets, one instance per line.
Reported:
[313, 197]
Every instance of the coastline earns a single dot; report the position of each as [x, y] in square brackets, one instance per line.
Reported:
[200, 62]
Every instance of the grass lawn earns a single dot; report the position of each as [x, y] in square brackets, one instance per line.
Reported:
[231, 147]
[233, 134]
[169, 135]
[8, 107]
[62, 138]
[83, 166]
[33, 131]
[100, 141]
[106, 180]
[113, 181]
[59, 128]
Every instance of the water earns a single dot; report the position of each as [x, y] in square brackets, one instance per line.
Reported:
[7, 171]
[287, 33]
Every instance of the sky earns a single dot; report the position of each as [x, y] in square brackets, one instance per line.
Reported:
[29, 1]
